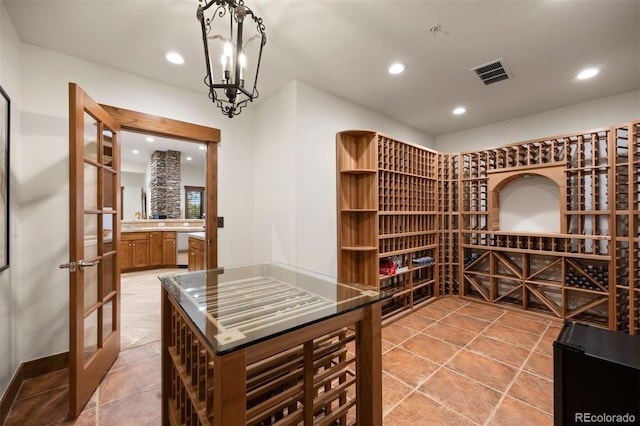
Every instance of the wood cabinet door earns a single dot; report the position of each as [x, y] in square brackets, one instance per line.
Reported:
[126, 255]
[140, 253]
[155, 248]
[169, 254]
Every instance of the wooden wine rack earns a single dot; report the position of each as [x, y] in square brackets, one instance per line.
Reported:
[589, 271]
[448, 261]
[387, 209]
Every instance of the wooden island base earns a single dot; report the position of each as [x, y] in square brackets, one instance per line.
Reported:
[329, 372]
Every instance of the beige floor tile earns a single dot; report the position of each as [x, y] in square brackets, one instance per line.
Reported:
[450, 334]
[512, 336]
[433, 312]
[499, 350]
[395, 333]
[415, 322]
[450, 303]
[420, 410]
[394, 391]
[482, 312]
[466, 322]
[490, 373]
[540, 364]
[407, 367]
[533, 390]
[513, 412]
[461, 394]
[428, 347]
[524, 322]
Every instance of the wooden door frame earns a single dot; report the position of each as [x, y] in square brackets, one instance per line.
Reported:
[140, 122]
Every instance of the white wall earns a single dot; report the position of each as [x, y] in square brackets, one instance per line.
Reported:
[9, 279]
[41, 301]
[529, 205]
[132, 183]
[274, 178]
[295, 159]
[603, 112]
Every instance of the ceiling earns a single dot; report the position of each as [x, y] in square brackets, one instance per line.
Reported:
[345, 46]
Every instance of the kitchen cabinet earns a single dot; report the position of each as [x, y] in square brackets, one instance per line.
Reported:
[169, 251]
[196, 254]
[156, 246]
[134, 250]
[147, 250]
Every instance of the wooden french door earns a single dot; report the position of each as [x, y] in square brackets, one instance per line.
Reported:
[94, 231]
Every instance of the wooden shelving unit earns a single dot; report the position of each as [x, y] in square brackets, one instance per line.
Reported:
[387, 209]
[357, 207]
[446, 206]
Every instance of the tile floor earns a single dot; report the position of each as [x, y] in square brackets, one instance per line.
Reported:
[452, 362]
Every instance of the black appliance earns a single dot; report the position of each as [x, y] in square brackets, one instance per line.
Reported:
[596, 376]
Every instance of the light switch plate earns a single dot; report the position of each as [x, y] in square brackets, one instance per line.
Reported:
[220, 221]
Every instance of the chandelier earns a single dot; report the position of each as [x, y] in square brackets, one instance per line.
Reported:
[232, 50]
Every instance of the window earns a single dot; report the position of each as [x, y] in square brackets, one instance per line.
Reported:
[194, 202]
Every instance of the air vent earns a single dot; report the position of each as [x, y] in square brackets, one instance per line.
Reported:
[492, 72]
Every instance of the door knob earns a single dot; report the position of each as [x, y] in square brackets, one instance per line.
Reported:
[82, 264]
[71, 266]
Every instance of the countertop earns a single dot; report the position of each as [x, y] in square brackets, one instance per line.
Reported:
[164, 229]
[198, 235]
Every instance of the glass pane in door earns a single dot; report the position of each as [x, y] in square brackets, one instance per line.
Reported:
[108, 186]
[90, 137]
[90, 187]
[108, 275]
[90, 235]
[107, 319]
[90, 335]
[107, 148]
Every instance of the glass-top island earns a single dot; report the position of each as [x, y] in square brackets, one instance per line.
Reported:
[268, 343]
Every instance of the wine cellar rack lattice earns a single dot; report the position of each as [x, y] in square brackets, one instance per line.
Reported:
[446, 207]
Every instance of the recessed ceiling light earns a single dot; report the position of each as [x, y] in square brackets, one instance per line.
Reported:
[174, 57]
[135, 151]
[397, 68]
[459, 110]
[202, 148]
[189, 158]
[587, 73]
[149, 139]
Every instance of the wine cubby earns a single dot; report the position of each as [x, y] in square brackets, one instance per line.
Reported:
[447, 204]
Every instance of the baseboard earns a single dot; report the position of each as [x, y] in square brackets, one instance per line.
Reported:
[27, 370]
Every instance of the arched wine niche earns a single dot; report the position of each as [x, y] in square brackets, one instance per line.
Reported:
[537, 210]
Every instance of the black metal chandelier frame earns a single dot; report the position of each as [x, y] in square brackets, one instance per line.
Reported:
[234, 96]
